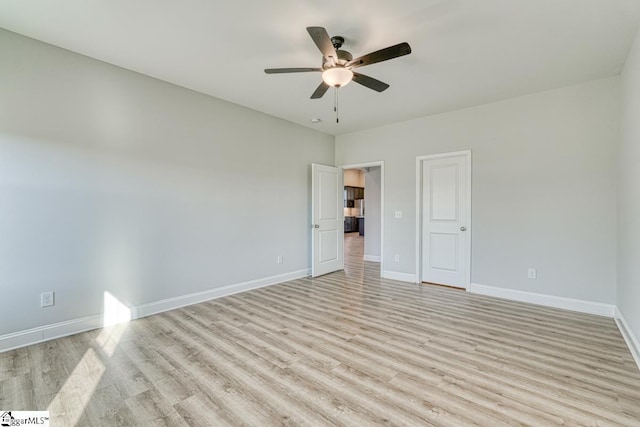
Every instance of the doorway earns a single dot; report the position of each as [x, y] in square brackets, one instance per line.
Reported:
[363, 208]
[443, 219]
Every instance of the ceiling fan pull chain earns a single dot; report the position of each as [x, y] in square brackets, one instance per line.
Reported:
[335, 105]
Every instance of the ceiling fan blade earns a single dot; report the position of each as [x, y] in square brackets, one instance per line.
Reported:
[320, 91]
[370, 82]
[380, 55]
[290, 70]
[323, 41]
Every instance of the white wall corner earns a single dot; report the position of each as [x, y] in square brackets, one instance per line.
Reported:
[589, 307]
[372, 258]
[402, 277]
[62, 329]
[628, 335]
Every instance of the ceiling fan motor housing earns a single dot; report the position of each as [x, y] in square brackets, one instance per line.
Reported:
[343, 58]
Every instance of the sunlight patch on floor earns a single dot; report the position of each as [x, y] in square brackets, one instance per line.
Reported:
[71, 401]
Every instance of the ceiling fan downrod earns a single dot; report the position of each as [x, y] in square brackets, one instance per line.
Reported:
[337, 41]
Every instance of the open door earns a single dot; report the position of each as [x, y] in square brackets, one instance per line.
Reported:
[327, 223]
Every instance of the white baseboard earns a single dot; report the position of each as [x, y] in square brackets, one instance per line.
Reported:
[582, 306]
[49, 332]
[372, 258]
[402, 277]
[74, 326]
[628, 335]
[189, 299]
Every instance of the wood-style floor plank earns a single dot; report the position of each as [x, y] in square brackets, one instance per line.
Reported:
[348, 348]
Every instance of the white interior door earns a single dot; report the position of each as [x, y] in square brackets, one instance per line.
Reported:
[327, 220]
[445, 220]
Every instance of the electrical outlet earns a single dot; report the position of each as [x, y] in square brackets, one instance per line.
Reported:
[46, 299]
[532, 273]
[398, 214]
[396, 258]
[280, 259]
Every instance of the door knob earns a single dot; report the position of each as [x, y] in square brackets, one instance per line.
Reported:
[315, 226]
[463, 228]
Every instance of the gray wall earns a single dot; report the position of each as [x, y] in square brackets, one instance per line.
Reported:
[114, 181]
[629, 193]
[544, 187]
[372, 199]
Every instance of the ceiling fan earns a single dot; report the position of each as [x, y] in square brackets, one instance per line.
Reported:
[338, 65]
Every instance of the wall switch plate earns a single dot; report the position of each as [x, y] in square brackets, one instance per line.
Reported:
[396, 258]
[532, 273]
[280, 259]
[398, 214]
[46, 299]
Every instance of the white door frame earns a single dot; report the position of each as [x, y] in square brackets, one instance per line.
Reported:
[419, 192]
[371, 165]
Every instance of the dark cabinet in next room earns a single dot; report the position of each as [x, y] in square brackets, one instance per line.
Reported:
[349, 197]
[350, 224]
[351, 194]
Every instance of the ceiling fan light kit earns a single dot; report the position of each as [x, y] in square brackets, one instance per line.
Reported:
[337, 76]
[337, 64]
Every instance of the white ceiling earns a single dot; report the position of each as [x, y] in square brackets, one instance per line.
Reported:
[465, 52]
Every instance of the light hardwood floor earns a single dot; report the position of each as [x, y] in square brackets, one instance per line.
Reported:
[345, 349]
